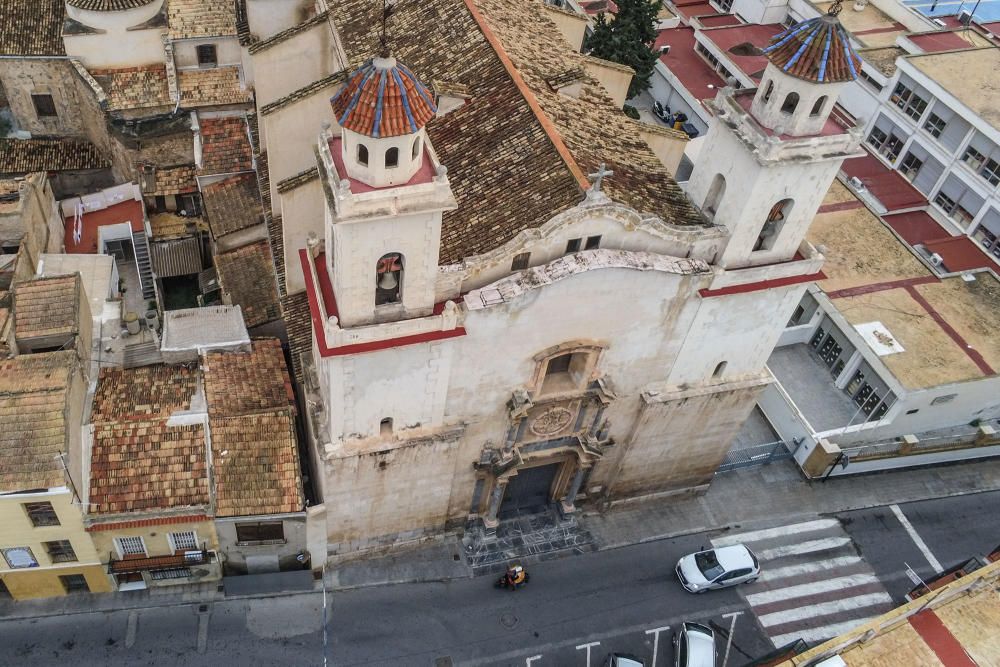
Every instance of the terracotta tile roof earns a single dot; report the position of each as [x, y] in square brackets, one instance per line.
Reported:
[22, 156]
[107, 5]
[299, 179]
[815, 50]
[383, 98]
[174, 180]
[256, 465]
[168, 225]
[201, 18]
[305, 92]
[497, 132]
[34, 390]
[134, 87]
[32, 27]
[46, 307]
[264, 180]
[247, 274]
[147, 393]
[146, 465]
[243, 24]
[276, 236]
[241, 383]
[233, 204]
[298, 324]
[219, 86]
[225, 146]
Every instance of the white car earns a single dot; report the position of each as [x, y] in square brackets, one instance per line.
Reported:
[694, 646]
[717, 568]
[623, 660]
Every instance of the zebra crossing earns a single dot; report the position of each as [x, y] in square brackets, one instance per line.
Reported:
[813, 585]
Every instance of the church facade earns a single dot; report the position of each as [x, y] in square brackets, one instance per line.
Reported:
[509, 303]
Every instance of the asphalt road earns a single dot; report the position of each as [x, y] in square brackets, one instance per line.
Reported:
[623, 600]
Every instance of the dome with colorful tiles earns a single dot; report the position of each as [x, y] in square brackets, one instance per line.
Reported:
[816, 50]
[383, 98]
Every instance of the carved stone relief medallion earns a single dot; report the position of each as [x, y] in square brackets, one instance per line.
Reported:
[551, 421]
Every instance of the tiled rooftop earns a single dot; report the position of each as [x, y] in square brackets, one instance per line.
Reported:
[218, 86]
[729, 40]
[22, 156]
[147, 393]
[46, 307]
[233, 204]
[31, 27]
[225, 146]
[168, 225]
[201, 18]
[817, 50]
[383, 98]
[241, 383]
[33, 396]
[200, 328]
[107, 5]
[247, 274]
[175, 180]
[298, 323]
[256, 465]
[134, 87]
[148, 465]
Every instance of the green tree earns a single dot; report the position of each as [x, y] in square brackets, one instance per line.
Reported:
[627, 38]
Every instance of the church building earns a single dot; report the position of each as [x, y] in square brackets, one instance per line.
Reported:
[499, 298]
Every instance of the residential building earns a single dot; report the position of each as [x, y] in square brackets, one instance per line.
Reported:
[46, 551]
[148, 502]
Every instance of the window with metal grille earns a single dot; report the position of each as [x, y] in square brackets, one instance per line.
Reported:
[74, 583]
[573, 245]
[935, 125]
[183, 541]
[520, 261]
[60, 551]
[173, 573]
[41, 514]
[261, 531]
[45, 106]
[207, 55]
[131, 546]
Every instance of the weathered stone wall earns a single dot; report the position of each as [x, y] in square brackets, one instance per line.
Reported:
[22, 78]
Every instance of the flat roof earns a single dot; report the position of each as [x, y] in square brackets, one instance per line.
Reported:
[934, 42]
[684, 62]
[970, 75]
[885, 183]
[870, 26]
[946, 327]
[755, 34]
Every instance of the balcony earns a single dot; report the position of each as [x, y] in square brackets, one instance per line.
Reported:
[179, 561]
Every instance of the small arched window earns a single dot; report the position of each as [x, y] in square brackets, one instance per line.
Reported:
[776, 219]
[720, 369]
[768, 91]
[818, 106]
[363, 154]
[389, 279]
[385, 426]
[391, 157]
[790, 104]
[715, 194]
[416, 148]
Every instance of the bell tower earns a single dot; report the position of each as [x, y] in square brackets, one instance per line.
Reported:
[387, 196]
[771, 153]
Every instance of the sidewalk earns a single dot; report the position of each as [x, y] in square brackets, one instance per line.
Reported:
[777, 493]
[771, 494]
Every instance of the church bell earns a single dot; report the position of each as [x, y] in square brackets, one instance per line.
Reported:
[388, 281]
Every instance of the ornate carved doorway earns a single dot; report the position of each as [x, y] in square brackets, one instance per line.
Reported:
[529, 491]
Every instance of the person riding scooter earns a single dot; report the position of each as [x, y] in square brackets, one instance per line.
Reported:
[514, 576]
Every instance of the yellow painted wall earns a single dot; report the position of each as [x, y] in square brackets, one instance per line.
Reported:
[40, 582]
[16, 530]
[155, 538]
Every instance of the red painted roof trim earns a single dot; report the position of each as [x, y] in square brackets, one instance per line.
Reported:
[138, 523]
[762, 285]
[938, 637]
[358, 348]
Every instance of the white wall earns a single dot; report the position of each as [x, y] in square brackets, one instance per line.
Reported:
[269, 17]
[281, 69]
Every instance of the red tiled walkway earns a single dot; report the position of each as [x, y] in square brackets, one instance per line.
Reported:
[937, 636]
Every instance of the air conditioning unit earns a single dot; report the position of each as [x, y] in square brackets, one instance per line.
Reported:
[856, 183]
[965, 17]
[936, 259]
[665, 49]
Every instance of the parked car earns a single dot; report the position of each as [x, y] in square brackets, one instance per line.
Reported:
[623, 660]
[717, 568]
[694, 646]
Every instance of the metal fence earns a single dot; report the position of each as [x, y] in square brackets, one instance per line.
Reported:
[757, 455]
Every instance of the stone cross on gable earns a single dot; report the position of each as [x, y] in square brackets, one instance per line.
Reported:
[594, 192]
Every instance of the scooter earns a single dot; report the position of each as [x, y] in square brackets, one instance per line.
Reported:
[515, 577]
[663, 113]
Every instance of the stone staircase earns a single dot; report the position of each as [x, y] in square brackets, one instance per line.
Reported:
[142, 354]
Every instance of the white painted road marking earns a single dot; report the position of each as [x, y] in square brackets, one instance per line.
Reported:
[912, 532]
[528, 661]
[804, 547]
[820, 634]
[802, 590]
[780, 531]
[656, 641]
[780, 573]
[824, 608]
[588, 647]
[133, 626]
